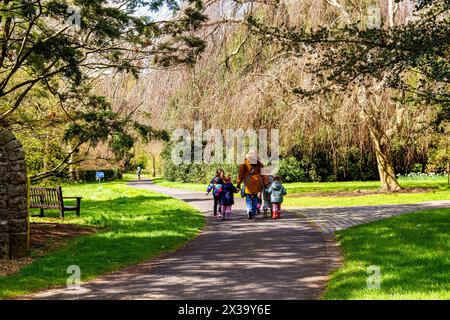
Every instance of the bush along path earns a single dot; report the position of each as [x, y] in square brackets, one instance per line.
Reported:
[237, 259]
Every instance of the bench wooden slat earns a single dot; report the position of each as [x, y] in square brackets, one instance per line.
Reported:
[45, 198]
[51, 198]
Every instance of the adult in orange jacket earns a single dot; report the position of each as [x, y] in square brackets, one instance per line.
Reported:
[254, 181]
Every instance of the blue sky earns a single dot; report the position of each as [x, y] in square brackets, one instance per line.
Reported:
[163, 14]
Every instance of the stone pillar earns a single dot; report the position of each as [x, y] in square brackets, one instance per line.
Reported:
[14, 225]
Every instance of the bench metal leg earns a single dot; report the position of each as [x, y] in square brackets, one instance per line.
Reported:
[78, 207]
[41, 213]
[61, 213]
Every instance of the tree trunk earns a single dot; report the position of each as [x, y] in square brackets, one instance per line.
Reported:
[391, 13]
[386, 170]
[72, 168]
[46, 153]
[153, 166]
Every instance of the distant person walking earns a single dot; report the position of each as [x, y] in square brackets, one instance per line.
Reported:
[277, 191]
[215, 184]
[138, 172]
[254, 182]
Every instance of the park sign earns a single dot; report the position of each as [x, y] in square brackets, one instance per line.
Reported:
[99, 175]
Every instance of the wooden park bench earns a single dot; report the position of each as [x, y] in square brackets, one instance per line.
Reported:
[52, 198]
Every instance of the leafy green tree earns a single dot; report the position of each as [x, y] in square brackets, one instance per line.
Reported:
[56, 49]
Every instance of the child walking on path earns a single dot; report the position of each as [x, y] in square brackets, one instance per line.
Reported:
[226, 193]
[277, 191]
[266, 198]
[215, 184]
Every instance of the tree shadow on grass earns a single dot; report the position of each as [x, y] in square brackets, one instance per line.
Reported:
[138, 228]
[131, 214]
[94, 255]
[420, 278]
[120, 204]
[411, 251]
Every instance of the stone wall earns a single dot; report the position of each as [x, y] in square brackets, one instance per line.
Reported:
[14, 226]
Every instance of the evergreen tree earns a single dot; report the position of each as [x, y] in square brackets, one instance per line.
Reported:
[56, 49]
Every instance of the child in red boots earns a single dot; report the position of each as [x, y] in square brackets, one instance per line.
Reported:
[277, 191]
[226, 194]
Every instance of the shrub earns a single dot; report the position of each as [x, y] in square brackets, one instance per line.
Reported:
[190, 172]
[90, 175]
[291, 170]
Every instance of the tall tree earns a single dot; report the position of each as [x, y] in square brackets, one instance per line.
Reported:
[411, 58]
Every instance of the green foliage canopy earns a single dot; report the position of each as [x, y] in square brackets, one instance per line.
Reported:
[54, 50]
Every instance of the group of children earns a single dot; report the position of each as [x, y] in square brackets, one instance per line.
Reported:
[223, 190]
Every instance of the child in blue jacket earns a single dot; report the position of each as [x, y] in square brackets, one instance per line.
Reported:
[277, 191]
[215, 184]
[226, 194]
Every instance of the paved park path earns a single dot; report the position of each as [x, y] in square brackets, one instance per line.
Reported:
[237, 259]
[240, 259]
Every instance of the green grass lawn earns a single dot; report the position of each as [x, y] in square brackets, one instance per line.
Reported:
[411, 250]
[139, 225]
[366, 200]
[439, 182]
[299, 193]
[180, 185]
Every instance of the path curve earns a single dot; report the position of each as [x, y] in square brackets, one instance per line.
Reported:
[237, 259]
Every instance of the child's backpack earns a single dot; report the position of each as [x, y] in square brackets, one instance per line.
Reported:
[214, 185]
[214, 188]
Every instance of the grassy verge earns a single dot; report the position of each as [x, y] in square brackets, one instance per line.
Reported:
[308, 194]
[366, 200]
[180, 185]
[439, 183]
[411, 251]
[139, 225]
